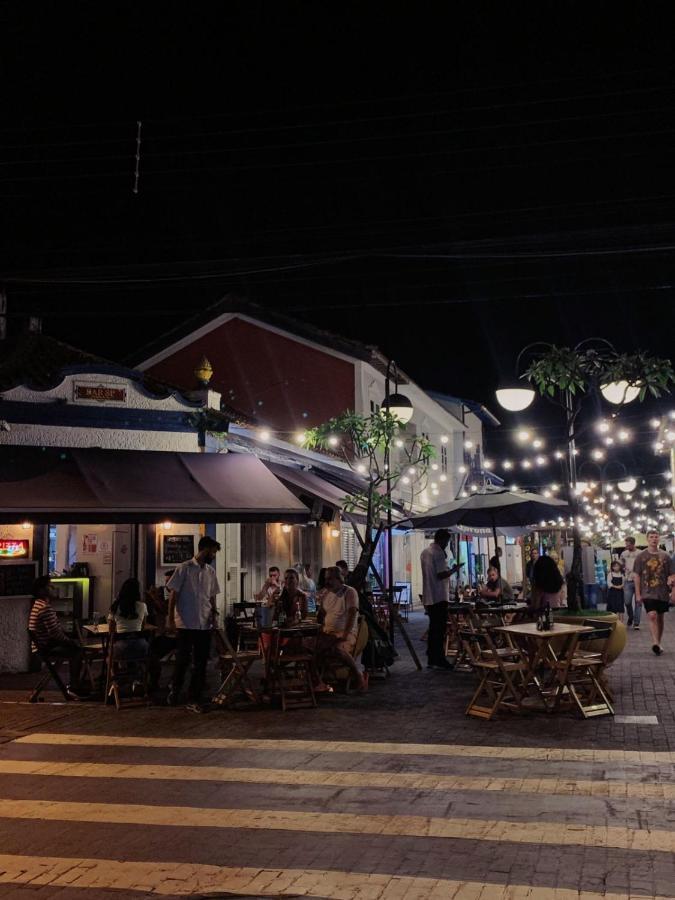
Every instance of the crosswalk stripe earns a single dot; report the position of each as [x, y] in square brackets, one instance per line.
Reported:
[611, 788]
[539, 832]
[177, 879]
[539, 754]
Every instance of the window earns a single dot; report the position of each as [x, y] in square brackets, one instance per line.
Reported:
[444, 460]
[374, 407]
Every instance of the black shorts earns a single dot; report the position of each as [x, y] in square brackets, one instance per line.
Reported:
[657, 606]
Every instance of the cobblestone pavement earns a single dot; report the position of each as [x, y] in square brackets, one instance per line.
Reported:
[393, 795]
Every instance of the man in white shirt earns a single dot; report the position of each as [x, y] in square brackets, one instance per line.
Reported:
[192, 613]
[628, 557]
[435, 593]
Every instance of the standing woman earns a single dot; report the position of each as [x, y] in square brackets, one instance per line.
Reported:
[615, 602]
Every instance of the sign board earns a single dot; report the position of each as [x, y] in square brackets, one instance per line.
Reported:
[177, 548]
[17, 580]
[100, 393]
[14, 548]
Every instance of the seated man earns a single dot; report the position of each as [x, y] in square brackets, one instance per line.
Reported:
[497, 588]
[48, 634]
[339, 613]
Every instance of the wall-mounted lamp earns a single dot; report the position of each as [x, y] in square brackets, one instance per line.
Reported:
[167, 526]
[26, 525]
[285, 528]
[335, 532]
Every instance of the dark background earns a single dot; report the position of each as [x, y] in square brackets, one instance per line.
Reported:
[447, 188]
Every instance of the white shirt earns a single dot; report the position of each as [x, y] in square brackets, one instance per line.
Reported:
[126, 625]
[336, 605]
[434, 561]
[194, 586]
[628, 558]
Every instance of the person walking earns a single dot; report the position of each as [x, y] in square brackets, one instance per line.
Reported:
[652, 586]
[435, 596]
[633, 610]
[192, 614]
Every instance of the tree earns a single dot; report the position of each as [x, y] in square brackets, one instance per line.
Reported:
[376, 448]
[566, 376]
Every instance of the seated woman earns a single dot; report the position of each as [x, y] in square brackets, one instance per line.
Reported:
[130, 613]
[547, 584]
[496, 588]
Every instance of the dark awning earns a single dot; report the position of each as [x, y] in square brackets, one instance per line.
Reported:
[307, 484]
[98, 486]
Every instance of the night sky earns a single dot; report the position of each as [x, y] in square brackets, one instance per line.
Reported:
[447, 188]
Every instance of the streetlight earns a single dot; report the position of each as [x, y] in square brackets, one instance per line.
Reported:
[400, 407]
[565, 377]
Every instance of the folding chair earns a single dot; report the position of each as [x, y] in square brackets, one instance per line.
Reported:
[582, 674]
[290, 672]
[498, 687]
[234, 666]
[122, 673]
[51, 664]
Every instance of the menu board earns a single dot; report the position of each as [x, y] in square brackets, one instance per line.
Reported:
[177, 548]
[17, 580]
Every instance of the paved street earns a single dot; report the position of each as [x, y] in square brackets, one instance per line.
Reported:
[396, 795]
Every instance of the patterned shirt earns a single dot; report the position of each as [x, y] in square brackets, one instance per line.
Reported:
[44, 623]
[653, 570]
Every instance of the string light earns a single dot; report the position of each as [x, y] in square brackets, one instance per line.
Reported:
[537, 444]
[488, 463]
[523, 435]
[265, 435]
[333, 441]
[508, 464]
[598, 454]
[468, 445]
[461, 470]
[300, 437]
[444, 477]
[444, 439]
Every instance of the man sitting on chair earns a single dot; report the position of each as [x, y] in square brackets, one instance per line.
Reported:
[48, 634]
[339, 613]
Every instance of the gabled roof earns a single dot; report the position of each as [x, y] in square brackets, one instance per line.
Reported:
[482, 412]
[233, 304]
[40, 362]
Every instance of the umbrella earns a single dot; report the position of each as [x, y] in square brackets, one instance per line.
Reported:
[494, 509]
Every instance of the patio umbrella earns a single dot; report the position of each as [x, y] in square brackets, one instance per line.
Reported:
[493, 509]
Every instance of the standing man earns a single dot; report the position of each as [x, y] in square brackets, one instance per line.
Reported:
[652, 586]
[633, 610]
[192, 612]
[435, 593]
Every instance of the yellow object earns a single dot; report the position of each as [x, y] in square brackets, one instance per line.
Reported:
[204, 371]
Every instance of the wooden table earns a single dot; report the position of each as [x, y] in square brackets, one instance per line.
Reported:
[541, 654]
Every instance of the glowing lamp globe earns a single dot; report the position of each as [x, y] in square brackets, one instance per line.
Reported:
[619, 392]
[399, 406]
[627, 485]
[515, 399]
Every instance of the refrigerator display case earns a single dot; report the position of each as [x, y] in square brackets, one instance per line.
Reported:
[74, 601]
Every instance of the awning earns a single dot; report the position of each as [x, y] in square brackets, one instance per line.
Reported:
[99, 486]
[309, 487]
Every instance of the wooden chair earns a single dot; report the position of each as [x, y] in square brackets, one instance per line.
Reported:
[234, 666]
[122, 673]
[582, 675]
[51, 663]
[94, 652]
[289, 673]
[502, 681]
[335, 673]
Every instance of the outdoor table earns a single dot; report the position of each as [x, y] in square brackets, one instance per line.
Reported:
[303, 629]
[541, 654]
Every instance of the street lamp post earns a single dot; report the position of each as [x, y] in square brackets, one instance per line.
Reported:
[399, 406]
[600, 357]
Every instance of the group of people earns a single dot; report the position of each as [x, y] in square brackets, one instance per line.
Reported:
[183, 614]
[337, 610]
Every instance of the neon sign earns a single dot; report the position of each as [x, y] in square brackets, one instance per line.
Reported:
[13, 548]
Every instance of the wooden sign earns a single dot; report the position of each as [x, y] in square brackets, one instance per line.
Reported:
[100, 393]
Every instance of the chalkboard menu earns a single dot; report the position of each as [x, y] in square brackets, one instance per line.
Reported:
[177, 548]
[17, 580]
